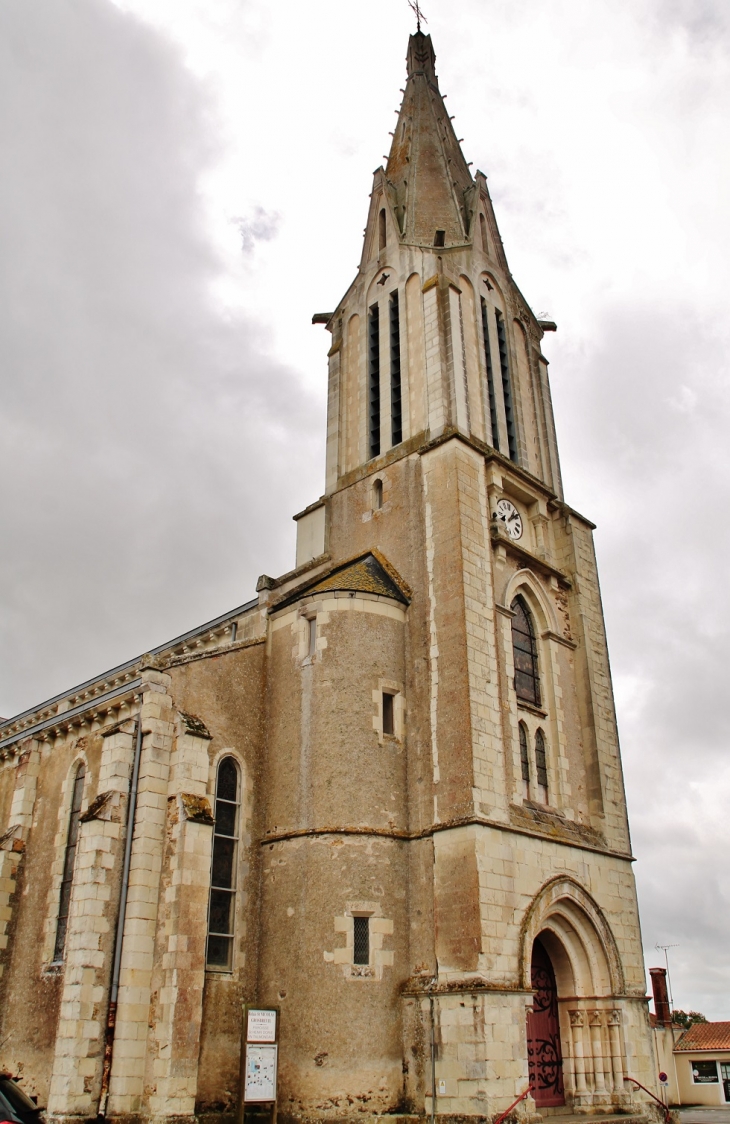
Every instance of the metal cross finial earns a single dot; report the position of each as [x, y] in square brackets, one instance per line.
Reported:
[416, 7]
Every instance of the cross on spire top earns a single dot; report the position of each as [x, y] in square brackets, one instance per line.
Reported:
[416, 8]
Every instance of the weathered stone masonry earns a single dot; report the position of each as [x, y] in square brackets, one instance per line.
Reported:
[424, 835]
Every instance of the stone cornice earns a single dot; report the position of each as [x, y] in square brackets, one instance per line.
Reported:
[400, 835]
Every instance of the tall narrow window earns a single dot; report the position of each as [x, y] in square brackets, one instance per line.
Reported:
[69, 861]
[311, 635]
[382, 230]
[396, 424]
[222, 908]
[361, 940]
[541, 764]
[524, 645]
[377, 495]
[490, 375]
[374, 374]
[524, 759]
[506, 386]
[388, 714]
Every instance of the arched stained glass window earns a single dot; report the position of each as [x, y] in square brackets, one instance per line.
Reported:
[527, 682]
[222, 907]
[69, 862]
[541, 762]
[524, 754]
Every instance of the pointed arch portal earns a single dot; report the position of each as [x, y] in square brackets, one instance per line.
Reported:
[544, 1050]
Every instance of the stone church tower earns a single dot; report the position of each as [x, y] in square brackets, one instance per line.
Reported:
[385, 796]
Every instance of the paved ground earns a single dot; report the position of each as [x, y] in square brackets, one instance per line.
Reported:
[704, 1115]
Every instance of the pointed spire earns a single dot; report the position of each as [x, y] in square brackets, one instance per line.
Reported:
[426, 170]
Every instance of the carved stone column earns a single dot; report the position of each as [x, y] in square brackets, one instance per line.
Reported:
[579, 1062]
[617, 1062]
[595, 1022]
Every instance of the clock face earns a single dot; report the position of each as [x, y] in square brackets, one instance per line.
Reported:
[508, 513]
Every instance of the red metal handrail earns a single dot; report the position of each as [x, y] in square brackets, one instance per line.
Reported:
[665, 1110]
[513, 1105]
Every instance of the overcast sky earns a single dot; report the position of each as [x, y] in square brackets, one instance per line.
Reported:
[186, 181]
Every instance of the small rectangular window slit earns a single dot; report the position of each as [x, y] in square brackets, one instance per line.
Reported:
[312, 633]
[388, 714]
[361, 940]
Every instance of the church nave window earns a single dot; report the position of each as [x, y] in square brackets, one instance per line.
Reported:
[374, 381]
[524, 646]
[396, 423]
[69, 862]
[222, 906]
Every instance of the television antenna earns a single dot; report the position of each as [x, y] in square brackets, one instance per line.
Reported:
[663, 948]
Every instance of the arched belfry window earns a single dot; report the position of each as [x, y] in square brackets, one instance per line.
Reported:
[222, 907]
[524, 645]
[69, 862]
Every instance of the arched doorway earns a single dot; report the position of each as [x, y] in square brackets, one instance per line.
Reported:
[544, 1051]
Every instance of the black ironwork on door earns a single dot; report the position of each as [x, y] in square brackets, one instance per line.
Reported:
[544, 1056]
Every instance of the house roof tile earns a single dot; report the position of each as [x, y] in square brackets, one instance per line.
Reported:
[704, 1036]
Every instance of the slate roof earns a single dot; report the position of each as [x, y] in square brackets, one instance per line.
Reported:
[704, 1036]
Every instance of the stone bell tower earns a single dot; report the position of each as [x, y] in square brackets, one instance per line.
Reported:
[443, 772]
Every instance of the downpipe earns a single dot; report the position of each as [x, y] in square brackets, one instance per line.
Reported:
[433, 1062]
[111, 1018]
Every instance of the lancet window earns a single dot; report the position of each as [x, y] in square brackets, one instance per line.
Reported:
[69, 862]
[524, 759]
[541, 764]
[524, 646]
[222, 906]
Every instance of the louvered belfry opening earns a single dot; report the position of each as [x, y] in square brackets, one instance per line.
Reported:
[374, 380]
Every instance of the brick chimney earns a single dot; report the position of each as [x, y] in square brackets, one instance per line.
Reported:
[661, 997]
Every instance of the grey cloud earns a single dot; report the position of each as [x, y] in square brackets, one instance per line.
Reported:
[262, 226]
[145, 432]
[656, 479]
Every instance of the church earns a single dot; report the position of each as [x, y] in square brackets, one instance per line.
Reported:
[383, 797]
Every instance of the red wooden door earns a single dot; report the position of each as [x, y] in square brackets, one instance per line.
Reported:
[544, 1056]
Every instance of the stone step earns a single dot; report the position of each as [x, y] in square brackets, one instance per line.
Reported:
[561, 1116]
